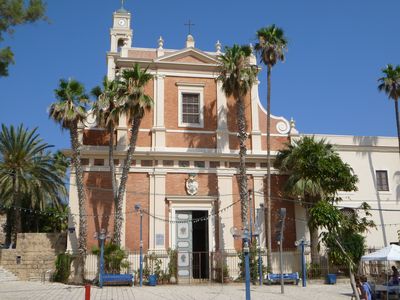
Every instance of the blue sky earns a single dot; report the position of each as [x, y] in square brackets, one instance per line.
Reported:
[328, 83]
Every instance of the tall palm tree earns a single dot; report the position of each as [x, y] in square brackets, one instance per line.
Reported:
[316, 173]
[237, 77]
[107, 110]
[69, 111]
[135, 104]
[271, 47]
[27, 171]
[390, 84]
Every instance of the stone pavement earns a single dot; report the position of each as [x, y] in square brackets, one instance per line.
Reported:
[54, 291]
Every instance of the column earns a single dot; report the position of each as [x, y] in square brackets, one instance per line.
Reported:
[222, 130]
[110, 67]
[158, 123]
[255, 125]
[259, 199]
[122, 132]
[73, 218]
[226, 217]
[157, 208]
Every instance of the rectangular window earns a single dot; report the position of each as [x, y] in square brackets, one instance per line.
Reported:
[382, 183]
[191, 108]
[183, 163]
[214, 164]
[199, 164]
[168, 163]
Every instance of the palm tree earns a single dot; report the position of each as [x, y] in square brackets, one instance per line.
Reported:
[316, 173]
[69, 111]
[107, 110]
[390, 84]
[135, 104]
[27, 171]
[237, 77]
[271, 47]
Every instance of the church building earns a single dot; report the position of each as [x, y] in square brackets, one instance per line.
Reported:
[186, 160]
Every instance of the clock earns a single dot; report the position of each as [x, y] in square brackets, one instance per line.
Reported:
[121, 22]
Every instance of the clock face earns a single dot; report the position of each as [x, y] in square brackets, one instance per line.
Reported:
[121, 22]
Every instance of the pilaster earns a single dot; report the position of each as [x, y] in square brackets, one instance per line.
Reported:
[110, 67]
[73, 217]
[222, 128]
[225, 217]
[158, 123]
[255, 124]
[259, 203]
[157, 208]
[122, 131]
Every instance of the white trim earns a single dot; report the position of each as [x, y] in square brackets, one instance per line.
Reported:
[190, 205]
[193, 89]
[187, 52]
[283, 126]
[181, 83]
[190, 131]
[186, 74]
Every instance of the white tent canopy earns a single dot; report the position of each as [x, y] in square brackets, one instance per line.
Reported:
[391, 252]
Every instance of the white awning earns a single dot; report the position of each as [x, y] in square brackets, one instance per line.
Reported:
[391, 252]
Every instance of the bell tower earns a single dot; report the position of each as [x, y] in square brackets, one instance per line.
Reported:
[121, 32]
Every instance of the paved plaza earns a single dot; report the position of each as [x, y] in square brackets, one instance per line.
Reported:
[53, 291]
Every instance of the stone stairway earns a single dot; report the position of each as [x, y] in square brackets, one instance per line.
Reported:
[6, 276]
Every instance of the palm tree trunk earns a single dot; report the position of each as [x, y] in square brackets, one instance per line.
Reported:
[124, 178]
[314, 237]
[269, 230]
[396, 106]
[241, 124]
[314, 246]
[9, 226]
[17, 226]
[113, 177]
[82, 238]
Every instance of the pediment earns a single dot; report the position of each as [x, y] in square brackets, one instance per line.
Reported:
[189, 56]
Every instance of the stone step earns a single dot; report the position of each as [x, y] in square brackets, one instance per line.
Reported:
[6, 275]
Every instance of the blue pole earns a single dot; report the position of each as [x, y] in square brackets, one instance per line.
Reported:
[259, 262]
[101, 262]
[141, 251]
[303, 265]
[247, 267]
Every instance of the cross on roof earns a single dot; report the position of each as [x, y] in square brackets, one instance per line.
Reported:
[122, 3]
[189, 24]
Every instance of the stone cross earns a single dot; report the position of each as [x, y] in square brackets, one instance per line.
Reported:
[189, 24]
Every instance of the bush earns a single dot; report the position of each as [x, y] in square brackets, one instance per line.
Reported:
[253, 263]
[114, 258]
[63, 267]
[173, 263]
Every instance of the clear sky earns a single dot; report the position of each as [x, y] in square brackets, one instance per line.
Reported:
[328, 82]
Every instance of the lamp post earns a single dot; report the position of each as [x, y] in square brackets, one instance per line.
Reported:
[101, 236]
[258, 235]
[282, 216]
[244, 234]
[302, 243]
[138, 208]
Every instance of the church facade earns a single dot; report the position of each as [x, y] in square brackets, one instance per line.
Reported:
[186, 158]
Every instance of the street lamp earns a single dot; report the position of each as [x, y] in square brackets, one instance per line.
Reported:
[244, 234]
[302, 243]
[138, 208]
[101, 236]
[257, 233]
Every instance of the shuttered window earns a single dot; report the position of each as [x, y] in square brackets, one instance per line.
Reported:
[382, 183]
[190, 108]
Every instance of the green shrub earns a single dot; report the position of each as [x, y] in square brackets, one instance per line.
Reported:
[63, 267]
[114, 258]
[253, 263]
